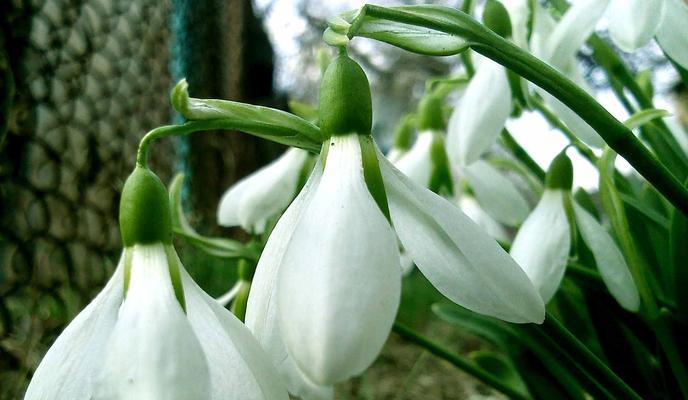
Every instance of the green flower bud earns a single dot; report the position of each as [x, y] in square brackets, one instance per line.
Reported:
[560, 173]
[430, 114]
[345, 103]
[496, 17]
[144, 210]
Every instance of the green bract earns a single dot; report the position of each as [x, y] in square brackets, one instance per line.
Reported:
[560, 173]
[345, 103]
[144, 210]
[496, 17]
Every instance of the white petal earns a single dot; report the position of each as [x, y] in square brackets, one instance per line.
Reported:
[609, 260]
[153, 353]
[542, 245]
[263, 194]
[406, 262]
[577, 125]
[497, 195]
[672, 35]
[456, 255]
[480, 116]
[340, 280]
[69, 369]
[558, 45]
[574, 28]
[239, 368]
[472, 209]
[395, 154]
[678, 132]
[519, 13]
[632, 23]
[261, 310]
[417, 162]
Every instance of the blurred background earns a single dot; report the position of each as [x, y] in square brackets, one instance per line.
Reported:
[81, 81]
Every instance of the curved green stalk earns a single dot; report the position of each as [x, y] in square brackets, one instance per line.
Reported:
[491, 45]
[459, 362]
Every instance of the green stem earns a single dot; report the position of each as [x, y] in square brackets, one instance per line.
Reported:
[491, 45]
[522, 155]
[459, 362]
[588, 360]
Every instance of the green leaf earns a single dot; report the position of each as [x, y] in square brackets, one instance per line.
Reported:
[642, 117]
[614, 206]
[218, 247]
[679, 255]
[268, 123]
[413, 38]
[501, 367]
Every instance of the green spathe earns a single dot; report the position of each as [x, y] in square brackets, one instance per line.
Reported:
[560, 173]
[430, 114]
[345, 103]
[144, 210]
[496, 17]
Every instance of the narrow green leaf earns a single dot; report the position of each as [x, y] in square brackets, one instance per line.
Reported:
[642, 117]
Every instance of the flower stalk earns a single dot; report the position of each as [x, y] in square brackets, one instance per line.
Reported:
[491, 45]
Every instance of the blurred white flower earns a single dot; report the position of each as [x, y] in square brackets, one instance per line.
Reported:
[542, 245]
[672, 34]
[417, 162]
[496, 193]
[253, 200]
[557, 45]
[136, 341]
[480, 114]
[328, 288]
[633, 23]
[472, 209]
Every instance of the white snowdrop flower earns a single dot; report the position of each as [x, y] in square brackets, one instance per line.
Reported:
[633, 23]
[477, 214]
[672, 34]
[152, 333]
[557, 44]
[264, 194]
[496, 193]
[417, 163]
[480, 114]
[328, 284]
[542, 245]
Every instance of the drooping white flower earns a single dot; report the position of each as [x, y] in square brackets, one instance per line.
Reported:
[633, 23]
[496, 193]
[333, 271]
[672, 34]
[542, 245]
[480, 114]
[261, 310]
[557, 44]
[326, 276]
[252, 201]
[152, 333]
